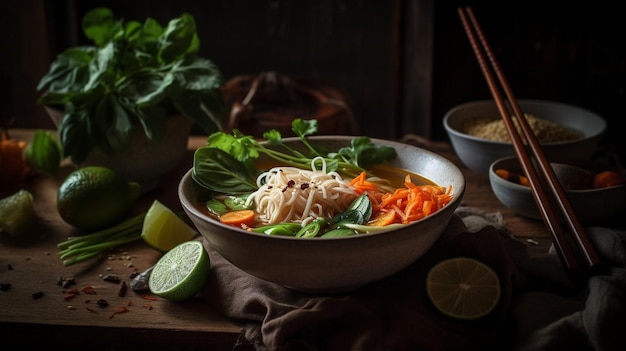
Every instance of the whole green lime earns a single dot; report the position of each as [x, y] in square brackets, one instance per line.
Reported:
[94, 198]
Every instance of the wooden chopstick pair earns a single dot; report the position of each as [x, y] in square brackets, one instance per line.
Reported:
[576, 245]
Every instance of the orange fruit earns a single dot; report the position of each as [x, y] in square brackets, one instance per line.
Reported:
[606, 179]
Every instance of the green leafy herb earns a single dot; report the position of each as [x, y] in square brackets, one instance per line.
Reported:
[339, 232]
[359, 212]
[134, 76]
[226, 164]
[218, 171]
[218, 205]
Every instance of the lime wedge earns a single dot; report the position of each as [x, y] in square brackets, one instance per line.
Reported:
[16, 213]
[181, 272]
[463, 288]
[163, 229]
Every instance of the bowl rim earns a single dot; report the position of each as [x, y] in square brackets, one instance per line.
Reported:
[600, 120]
[187, 205]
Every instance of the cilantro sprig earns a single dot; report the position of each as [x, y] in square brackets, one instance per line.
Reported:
[226, 163]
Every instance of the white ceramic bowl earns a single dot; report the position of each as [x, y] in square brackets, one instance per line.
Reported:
[478, 153]
[591, 206]
[328, 265]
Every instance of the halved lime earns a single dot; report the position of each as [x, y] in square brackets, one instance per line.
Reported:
[163, 229]
[463, 288]
[16, 213]
[181, 272]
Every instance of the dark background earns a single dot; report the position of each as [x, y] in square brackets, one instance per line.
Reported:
[400, 64]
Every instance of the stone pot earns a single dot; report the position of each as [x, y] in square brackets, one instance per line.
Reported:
[145, 161]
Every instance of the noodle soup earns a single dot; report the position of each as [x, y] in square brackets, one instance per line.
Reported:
[337, 264]
[293, 198]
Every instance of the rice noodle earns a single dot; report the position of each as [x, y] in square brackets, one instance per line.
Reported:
[290, 194]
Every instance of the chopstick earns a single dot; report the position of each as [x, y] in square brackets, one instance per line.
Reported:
[563, 243]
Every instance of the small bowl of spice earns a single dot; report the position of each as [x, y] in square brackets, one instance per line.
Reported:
[479, 137]
[596, 193]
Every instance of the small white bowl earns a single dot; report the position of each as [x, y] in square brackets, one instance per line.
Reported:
[478, 153]
[590, 206]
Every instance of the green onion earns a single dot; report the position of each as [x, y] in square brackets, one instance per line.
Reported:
[81, 248]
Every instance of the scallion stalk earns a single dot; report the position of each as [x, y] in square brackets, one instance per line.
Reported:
[81, 248]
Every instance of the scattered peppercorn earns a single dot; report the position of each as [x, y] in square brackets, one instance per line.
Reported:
[5, 286]
[123, 289]
[102, 303]
[111, 278]
[37, 294]
[65, 282]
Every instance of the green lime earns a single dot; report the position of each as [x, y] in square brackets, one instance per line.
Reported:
[463, 288]
[181, 272]
[16, 213]
[163, 229]
[94, 198]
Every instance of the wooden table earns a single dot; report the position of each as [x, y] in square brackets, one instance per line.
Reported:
[51, 320]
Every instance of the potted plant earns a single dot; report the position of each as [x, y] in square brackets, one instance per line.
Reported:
[133, 79]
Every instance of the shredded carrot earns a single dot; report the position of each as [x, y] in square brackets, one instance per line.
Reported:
[361, 184]
[382, 219]
[239, 217]
[408, 204]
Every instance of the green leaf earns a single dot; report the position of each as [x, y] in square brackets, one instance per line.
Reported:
[364, 153]
[178, 39]
[243, 149]
[100, 26]
[197, 74]
[100, 69]
[69, 72]
[216, 206]
[111, 117]
[273, 137]
[74, 135]
[339, 232]
[153, 119]
[220, 172]
[303, 128]
[237, 202]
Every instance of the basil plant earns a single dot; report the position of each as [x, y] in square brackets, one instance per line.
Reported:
[134, 75]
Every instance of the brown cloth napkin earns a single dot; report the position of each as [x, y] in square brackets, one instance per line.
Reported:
[539, 308]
